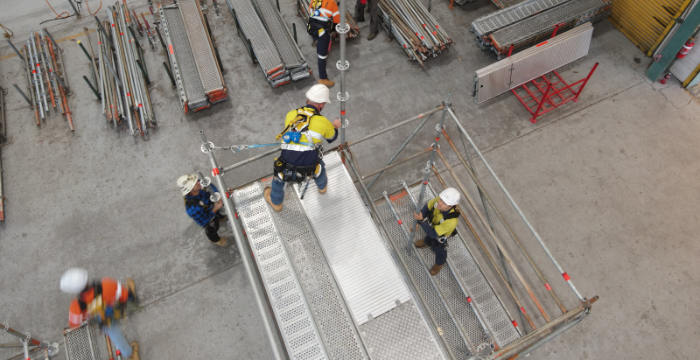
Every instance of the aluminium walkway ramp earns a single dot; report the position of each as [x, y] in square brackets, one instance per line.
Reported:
[290, 257]
[363, 267]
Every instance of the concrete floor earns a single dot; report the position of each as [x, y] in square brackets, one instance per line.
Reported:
[608, 182]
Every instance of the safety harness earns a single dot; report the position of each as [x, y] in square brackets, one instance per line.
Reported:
[451, 215]
[291, 135]
[318, 24]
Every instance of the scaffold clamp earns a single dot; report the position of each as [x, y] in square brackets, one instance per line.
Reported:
[343, 98]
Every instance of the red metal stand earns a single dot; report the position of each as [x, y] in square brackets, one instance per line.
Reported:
[549, 92]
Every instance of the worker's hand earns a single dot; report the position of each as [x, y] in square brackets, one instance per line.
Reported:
[418, 216]
[218, 205]
[337, 124]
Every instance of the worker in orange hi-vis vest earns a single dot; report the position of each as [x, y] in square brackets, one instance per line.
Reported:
[102, 301]
[323, 15]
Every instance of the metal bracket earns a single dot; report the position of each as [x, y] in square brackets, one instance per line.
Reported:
[5, 327]
[345, 124]
[342, 67]
[343, 98]
[428, 166]
[206, 147]
[438, 128]
[52, 348]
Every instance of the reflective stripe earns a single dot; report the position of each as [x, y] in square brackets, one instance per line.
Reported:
[320, 18]
[323, 57]
[314, 134]
[336, 13]
[325, 11]
[297, 147]
[119, 291]
[75, 319]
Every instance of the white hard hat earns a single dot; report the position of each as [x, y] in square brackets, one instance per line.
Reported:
[186, 183]
[74, 280]
[450, 196]
[319, 94]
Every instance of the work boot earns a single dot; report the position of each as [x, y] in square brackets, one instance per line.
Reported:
[360, 13]
[372, 35]
[420, 243]
[266, 193]
[436, 269]
[131, 285]
[326, 82]
[135, 348]
[222, 241]
[323, 191]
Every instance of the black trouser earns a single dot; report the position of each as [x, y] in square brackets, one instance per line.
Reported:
[212, 228]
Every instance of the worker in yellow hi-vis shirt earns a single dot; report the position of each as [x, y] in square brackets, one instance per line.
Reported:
[304, 131]
[439, 218]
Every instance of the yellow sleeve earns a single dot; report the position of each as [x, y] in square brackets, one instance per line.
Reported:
[447, 227]
[322, 126]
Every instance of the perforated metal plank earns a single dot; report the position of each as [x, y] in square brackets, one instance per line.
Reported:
[487, 24]
[294, 318]
[185, 58]
[400, 334]
[279, 34]
[545, 21]
[173, 59]
[333, 321]
[469, 274]
[80, 343]
[253, 29]
[366, 274]
[448, 285]
[209, 72]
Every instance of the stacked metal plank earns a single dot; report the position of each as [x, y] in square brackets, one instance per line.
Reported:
[303, 10]
[123, 78]
[526, 24]
[488, 24]
[502, 4]
[290, 53]
[45, 76]
[269, 41]
[524, 66]
[192, 59]
[410, 23]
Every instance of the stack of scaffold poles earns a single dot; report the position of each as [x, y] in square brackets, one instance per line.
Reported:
[45, 75]
[417, 32]
[303, 10]
[123, 77]
[192, 56]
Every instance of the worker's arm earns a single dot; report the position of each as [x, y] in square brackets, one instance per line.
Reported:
[429, 230]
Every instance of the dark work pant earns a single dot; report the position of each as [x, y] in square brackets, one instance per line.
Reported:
[440, 250]
[322, 51]
[373, 13]
[373, 16]
[212, 228]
